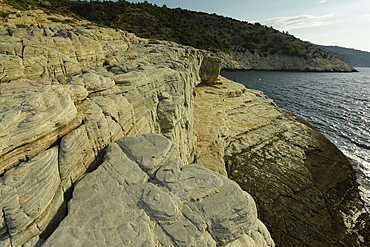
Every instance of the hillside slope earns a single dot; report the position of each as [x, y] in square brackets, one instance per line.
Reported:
[241, 45]
[355, 58]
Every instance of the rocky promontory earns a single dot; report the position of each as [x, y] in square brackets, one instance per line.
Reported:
[240, 44]
[105, 139]
[305, 188]
[245, 60]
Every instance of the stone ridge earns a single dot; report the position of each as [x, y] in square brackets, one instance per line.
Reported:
[174, 204]
[304, 187]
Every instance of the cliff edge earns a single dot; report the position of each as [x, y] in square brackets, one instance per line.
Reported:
[305, 188]
[70, 96]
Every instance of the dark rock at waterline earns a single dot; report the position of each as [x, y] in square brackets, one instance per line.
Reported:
[305, 199]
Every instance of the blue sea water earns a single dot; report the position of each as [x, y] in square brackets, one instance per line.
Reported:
[337, 104]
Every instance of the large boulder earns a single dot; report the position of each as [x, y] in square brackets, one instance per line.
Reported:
[210, 69]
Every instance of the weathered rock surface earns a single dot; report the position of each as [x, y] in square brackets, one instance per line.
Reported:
[76, 90]
[58, 120]
[242, 60]
[210, 69]
[304, 187]
[143, 194]
[30, 197]
[67, 92]
[30, 110]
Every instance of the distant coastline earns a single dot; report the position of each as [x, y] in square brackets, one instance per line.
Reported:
[353, 57]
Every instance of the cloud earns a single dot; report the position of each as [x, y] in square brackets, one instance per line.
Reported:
[297, 22]
[322, 1]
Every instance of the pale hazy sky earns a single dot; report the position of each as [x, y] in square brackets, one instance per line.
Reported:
[326, 22]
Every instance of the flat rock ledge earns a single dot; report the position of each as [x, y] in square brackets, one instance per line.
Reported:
[143, 194]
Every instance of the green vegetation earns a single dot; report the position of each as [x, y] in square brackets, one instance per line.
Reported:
[49, 6]
[5, 14]
[201, 30]
[18, 4]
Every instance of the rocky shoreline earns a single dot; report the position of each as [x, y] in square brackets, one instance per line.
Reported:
[72, 96]
[305, 188]
[245, 60]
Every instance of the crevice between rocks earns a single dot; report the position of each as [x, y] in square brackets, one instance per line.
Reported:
[62, 212]
[7, 227]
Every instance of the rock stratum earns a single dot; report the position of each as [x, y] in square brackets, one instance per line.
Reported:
[105, 139]
[69, 92]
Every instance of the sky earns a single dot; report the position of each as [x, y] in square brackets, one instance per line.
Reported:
[325, 22]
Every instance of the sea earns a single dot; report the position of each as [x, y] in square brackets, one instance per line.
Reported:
[337, 104]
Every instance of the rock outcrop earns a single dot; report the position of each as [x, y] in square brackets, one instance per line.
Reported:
[304, 187]
[143, 194]
[245, 60]
[67, 92]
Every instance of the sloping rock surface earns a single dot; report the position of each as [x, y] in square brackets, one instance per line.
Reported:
[67, 92]
[304, 187]
[172, 204]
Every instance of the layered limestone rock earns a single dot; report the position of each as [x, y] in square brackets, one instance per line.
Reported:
[75, 90]
[31, 111]
[67, 92]
[143, 194]
[304, 187]
[245, 60]
[143, 87]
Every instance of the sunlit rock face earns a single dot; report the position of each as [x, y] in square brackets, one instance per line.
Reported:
[72, 98]
[304, 187]
[144, 194]
[67, 92]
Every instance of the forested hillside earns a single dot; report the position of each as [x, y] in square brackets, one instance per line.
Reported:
[201, 30]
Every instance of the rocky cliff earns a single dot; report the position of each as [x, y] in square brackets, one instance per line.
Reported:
[66, 94]
[304, 187]
[70, 174]
[245, 60]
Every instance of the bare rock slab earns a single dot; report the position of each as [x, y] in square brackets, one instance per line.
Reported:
[131, 201]
[30, 110]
